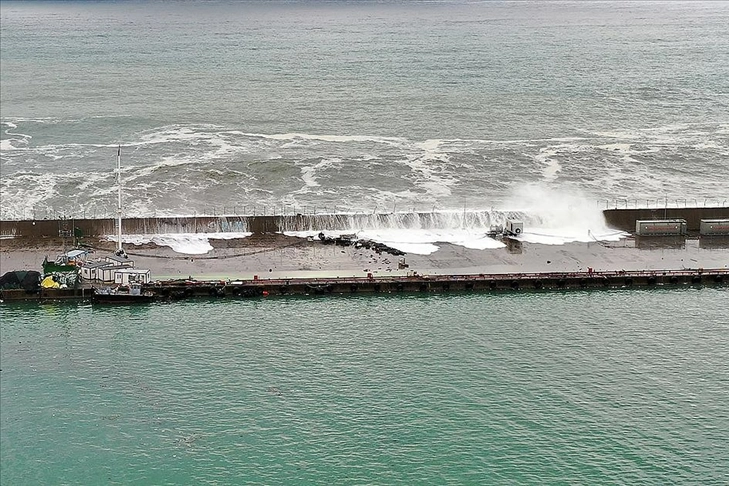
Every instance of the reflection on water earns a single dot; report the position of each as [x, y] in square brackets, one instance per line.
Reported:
[679, 242]
[513, 246]
[660, 242]
[714, 242]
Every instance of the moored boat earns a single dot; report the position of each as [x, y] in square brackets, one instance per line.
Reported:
[123, 294]
[68, 262]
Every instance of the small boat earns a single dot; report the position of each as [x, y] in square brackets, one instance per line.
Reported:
[123, 294]
[68, 262]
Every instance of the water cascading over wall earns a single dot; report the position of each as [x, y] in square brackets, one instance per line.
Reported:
[433, 220]
[265, 224]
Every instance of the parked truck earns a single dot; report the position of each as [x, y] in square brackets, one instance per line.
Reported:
[513, 227]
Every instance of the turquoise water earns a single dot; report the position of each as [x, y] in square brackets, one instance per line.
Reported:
[607, 387]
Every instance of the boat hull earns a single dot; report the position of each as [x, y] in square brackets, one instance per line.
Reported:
[122, 299]
[9, 295]
[123, 295]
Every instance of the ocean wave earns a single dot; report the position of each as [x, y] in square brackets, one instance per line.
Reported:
[420, 233]
[183, 168]
[185, 243]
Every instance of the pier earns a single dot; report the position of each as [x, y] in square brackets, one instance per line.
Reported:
[270, 264]
[172, 290]
[440, 283]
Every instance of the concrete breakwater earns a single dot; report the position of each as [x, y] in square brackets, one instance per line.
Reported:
[53, 228]
[509, 282]
[439, 283]
[623, 219]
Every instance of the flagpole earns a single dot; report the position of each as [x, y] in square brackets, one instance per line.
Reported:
[120, 250]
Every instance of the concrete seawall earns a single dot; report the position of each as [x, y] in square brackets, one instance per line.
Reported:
[623, 219]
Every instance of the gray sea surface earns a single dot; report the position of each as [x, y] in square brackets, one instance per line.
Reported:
[300, 106]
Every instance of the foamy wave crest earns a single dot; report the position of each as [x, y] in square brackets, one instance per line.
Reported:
[409, 221]
[325, 138]
[210, 169]
[15, 141]
[7, 145]
[557, 217]
[186, 243]
[548, 217]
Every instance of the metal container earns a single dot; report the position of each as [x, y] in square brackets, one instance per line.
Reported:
[714, 227]
[514, 228]
[660, 227]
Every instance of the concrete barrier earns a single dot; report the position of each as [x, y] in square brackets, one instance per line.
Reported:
[623, 219]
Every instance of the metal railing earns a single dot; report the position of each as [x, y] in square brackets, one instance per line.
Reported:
[661, 203]
[288, 209]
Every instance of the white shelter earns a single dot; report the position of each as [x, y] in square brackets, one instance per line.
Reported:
[127, 275]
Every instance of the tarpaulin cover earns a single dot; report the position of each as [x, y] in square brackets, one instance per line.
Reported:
[21, 279]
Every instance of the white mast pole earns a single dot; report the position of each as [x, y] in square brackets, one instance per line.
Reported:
[120, 251]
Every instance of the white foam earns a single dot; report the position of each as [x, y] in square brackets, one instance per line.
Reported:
[30, 192]
[550, 217]
[552, 167]
[15, 139]
[324, 138]
[309, 173]
[414, 240]
[7, 145]
[427, 169]
[557, 237]
[186, 243]
[561, 217]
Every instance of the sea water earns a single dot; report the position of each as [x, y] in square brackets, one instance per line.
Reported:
[546, 111]
[583, 387]
[253, 107]
[550, 111]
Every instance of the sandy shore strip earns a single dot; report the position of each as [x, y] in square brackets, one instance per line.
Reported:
[279, 256]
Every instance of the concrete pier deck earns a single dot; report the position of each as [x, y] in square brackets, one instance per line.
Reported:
[511, 282]
[276, 264]
[178, 289]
